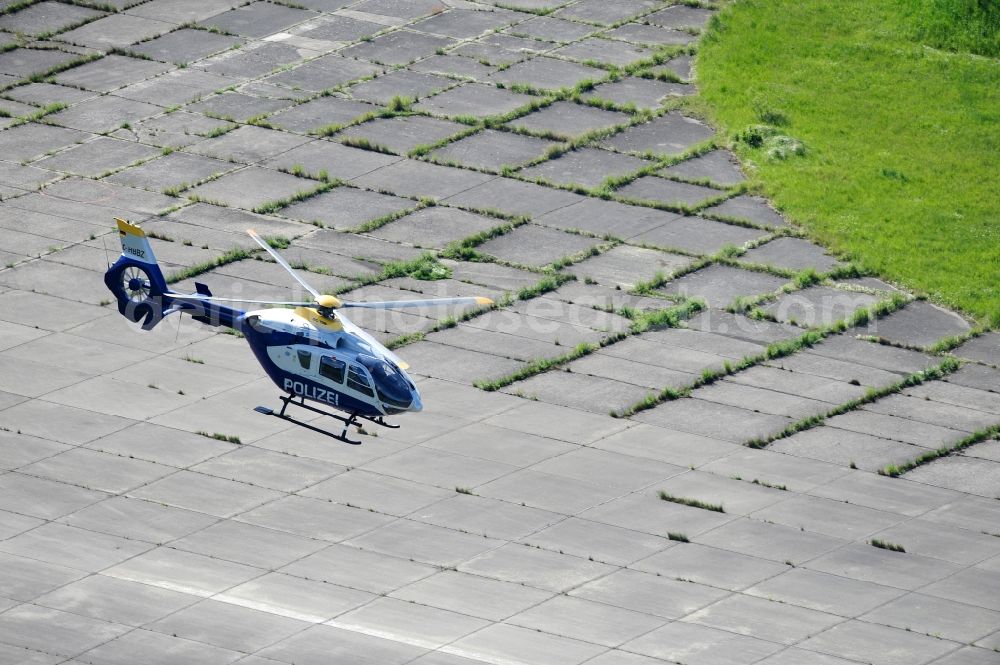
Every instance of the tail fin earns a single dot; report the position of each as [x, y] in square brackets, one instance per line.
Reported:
[136, 280]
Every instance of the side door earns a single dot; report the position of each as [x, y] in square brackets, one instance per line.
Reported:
[332, 369]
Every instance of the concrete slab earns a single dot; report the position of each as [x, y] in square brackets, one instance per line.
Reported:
[935, 616]
[157, 649]
[818, 306]
[604, 51]
[639, 92]
[325, 72]
[345, 208]
[691, 643]
[647, 33]
[985, 348]
[668, 192]
[577, 618]
[251, 187]
[400, 83]
[186, 45]
[426, 543]
[697, 235]
[973, 586]
[182, 571]
[228, 626]
[718, 167]
[536, 246]
[294, 597]
[547, 74]
[319, 643]
[258, 20]
[791, 254]
[602, 542]
[591, 11]
[491, 150]
[764, 619]
[584, 167]
[514, 644]
[403, 134]
[117, 601]
[861, 561]
[414, 178]
[472, 595]
[670, 134]
[64, 633]
[851, 639]
[567, 120]
[453, 65]
[45, 18]
[117, 30]
[419, 625]
[920, 324]
[474, 100]
[398, 48]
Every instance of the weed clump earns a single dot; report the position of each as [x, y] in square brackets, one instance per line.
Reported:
[886, 545]
[777, 146]
[693, 503]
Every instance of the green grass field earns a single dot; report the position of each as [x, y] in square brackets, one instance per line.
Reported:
[901, 163]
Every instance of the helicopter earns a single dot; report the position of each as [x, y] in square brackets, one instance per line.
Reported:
[309, 349]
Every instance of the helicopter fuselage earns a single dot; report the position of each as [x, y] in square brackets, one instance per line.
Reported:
[325, 359]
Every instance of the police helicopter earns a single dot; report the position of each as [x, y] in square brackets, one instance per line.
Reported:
[311, 350]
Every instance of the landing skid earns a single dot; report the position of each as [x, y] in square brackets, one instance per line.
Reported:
[352, 419]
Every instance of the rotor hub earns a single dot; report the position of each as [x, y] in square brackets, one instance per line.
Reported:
[134, 284]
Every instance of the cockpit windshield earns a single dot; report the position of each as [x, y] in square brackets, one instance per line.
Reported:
[392, 387]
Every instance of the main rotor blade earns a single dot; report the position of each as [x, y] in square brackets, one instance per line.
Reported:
[430, 302]
[198, 297]
[282, 262]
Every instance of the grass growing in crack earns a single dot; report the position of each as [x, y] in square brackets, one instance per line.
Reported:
[54, 107]
[542, 286]
[773, 351]
[389, 218]
[273, 206]
[536, 367]
[219, 131]
[218, 436]
[693, 503]
[465, 249]
[233, 255]
[403, 340]
[886, 545]
[400, 103]
[363, 143]
[894, 470]
[947, 366]
[679, 537]
[426, 267]
[665, 318]
[465, 490]
[774, 486]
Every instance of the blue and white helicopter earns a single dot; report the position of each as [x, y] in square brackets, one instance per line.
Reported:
[309, 349]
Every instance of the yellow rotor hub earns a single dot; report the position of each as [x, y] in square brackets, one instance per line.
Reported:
[328, 302]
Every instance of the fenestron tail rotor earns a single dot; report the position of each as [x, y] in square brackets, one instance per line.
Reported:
[135, 283]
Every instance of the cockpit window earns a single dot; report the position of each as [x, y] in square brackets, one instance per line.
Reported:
[332, 368]
[357, 380]
[305, 359]
[390, 382]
